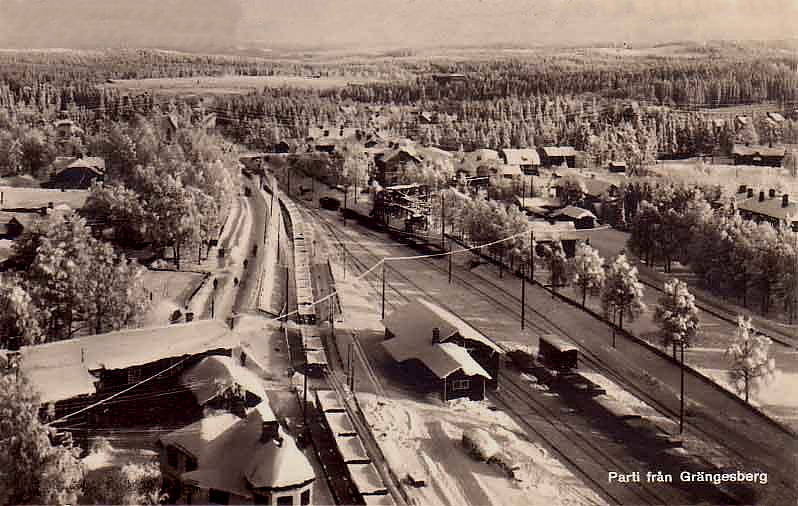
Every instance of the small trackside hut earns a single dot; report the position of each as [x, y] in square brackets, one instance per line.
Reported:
[441, 352]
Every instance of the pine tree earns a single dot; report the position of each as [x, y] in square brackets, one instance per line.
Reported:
[33, 470]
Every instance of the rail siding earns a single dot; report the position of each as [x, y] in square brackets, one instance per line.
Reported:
[694, 372]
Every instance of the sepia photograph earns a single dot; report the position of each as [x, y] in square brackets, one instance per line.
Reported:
[399, 252]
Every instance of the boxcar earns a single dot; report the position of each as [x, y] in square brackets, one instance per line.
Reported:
[556, 354]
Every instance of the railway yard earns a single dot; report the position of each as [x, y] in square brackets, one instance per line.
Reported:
[602, 441]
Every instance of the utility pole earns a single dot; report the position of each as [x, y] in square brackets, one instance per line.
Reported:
[286, 293]
[450, 266]
[532, 255]
[346, 194]
[443, 226]
[681, 388]
[613, 328]
[523, 297]
[343, 254]
[383, 289]
[305, 390]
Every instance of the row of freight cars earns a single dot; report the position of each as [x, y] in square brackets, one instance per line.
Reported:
[350, 472]
[302, 239]
[356, 468]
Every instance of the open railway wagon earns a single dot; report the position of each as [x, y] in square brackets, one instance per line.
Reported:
[556, 354]
[408, 202]
[315, 356]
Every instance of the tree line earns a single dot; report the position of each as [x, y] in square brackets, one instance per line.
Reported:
[732, 257]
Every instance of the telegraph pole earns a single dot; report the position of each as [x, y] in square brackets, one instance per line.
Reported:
[346, 194]
[681, 388]
[532, 255]
[383, 289]
[450, 266]
[523, 297]
[443, 228]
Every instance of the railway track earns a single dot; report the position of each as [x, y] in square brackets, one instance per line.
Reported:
[506, 303]
[583, 454]
[585, 457]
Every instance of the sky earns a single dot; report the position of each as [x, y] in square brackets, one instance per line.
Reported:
[366, 24]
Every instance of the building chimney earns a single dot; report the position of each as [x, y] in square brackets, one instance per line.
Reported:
[762, 196]
[772, 193]
[270, 431]
[785, 200]
[742, 189]
[436, 335]
[750, 192]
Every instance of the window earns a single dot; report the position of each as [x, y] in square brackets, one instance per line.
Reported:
[191, 464]
[285, 500]
[304, 499]
[461, 384]
[172, 457]
[218, 497]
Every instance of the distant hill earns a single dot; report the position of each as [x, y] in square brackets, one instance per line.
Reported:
[277, 25]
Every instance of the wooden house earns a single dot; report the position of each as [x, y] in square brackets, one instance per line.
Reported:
[581, 218]
[230, 459]
[10, 229]
[390, 163]
[557, 156]
[76, 173]
[77, 372]
[758, 155]
[66, 129]
[441, 351]
[528, 160]
[616, 166]
[771, 208]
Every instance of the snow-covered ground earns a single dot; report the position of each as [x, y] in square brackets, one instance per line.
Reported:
[425, 440]
[235, 239]
[270, 262]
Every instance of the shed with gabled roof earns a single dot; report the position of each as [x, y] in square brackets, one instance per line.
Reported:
[459, 360]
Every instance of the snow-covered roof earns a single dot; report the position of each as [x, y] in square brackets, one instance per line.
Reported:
[231, 457]
[367, 479]
[214, 375]
[412, 326]
[561, 230]
[772, 207]
[527, 156]
[509, 170]
[352, 450]
[312, 343]
[60, 370]
[559, 151]
[483, 155]
[340, 424]
[328, 400]
[420, 316]
[316, 357]
[754, 150]
[574, 212]
[531, 202]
